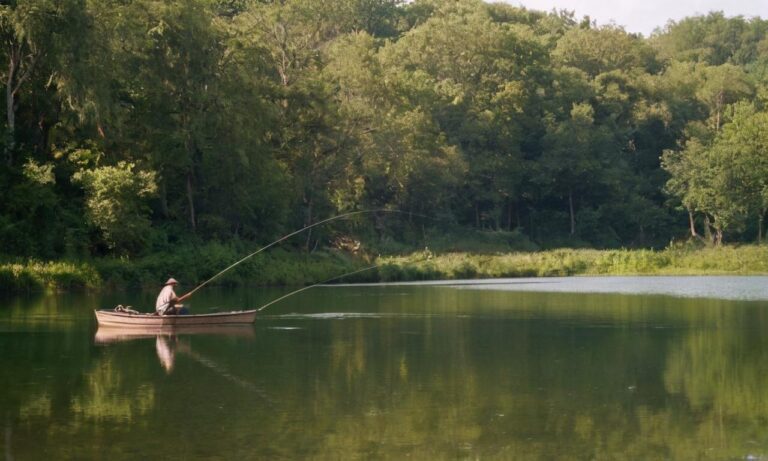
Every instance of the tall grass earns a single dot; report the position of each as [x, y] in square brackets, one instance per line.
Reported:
[47, 276]
[193, 265]
[741, 260]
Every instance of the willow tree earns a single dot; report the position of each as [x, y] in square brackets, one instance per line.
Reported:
[36, 37]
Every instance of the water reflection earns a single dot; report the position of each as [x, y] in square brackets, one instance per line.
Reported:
[109, 335]
[110, 394]
[166, 350]
[425, 373]
[167, 339]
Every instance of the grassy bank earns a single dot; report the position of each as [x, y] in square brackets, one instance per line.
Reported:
[742, 260]
[191, 265]
[195, 265]
[24, 276]
[280, 267]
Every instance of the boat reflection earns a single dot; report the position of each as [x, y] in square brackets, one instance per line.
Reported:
[167, 339]
[108, 335]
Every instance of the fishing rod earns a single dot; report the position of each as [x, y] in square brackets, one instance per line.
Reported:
[333, 279]
[316, 284]
[334, 218]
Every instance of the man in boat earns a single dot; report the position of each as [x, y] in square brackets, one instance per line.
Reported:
[167, 301]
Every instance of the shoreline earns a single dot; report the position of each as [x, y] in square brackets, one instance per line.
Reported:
[285, 268]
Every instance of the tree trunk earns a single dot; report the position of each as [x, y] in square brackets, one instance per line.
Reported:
[570, 208]
[10, 110]
[16, 77]
[760, 227]
[477, 215]
[708, 230]
[692, 224]
[191, 201]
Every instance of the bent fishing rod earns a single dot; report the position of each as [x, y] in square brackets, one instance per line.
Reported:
[285, 237]
[332, 279]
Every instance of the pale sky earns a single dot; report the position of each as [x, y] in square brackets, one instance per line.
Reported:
[645, 15]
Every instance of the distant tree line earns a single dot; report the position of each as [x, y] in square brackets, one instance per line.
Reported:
[133, 125]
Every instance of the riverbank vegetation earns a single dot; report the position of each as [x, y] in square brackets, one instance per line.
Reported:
[158, 136]
[290, 268]
[748, 260]
[26, 276]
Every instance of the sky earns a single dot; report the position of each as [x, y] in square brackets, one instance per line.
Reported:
[644, 15]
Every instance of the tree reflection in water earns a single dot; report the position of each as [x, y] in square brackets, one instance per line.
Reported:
[511, 376]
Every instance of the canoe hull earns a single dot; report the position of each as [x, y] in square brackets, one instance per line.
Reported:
[107, 318]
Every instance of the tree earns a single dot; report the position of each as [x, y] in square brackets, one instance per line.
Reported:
[605, 49]
[576, 157]
[720, 86]
[116, 203]
[710, 179]
[743, 143]
[36, 36]
[476, 78]
[712, 39]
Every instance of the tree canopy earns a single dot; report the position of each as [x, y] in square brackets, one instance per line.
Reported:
[133, 125]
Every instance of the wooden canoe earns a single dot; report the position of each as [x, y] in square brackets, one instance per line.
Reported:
[109, 318]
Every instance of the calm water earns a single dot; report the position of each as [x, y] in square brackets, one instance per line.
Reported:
[462, 371]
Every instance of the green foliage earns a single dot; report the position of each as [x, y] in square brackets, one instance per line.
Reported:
[605, 49]
[567, 262]
[724, 179]
[115, 203]
[47, 276]
[193, 265]
[712, 38]
[249, 119]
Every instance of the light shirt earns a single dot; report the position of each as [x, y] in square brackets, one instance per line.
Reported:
[164, 299]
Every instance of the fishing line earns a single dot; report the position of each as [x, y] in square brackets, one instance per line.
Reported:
[341, 216]
[316, 284]
[333, 279]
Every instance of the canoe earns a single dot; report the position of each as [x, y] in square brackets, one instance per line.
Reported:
[110, 318]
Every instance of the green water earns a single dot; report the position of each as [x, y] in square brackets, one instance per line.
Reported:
[392, 372]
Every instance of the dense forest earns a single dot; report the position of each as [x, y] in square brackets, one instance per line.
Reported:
[132, 126]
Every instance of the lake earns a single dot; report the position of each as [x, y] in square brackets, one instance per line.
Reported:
[562, 368]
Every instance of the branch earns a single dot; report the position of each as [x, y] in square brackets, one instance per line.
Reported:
[27, 72]
[11, 68]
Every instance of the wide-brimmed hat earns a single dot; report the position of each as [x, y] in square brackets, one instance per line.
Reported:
[171, 281]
